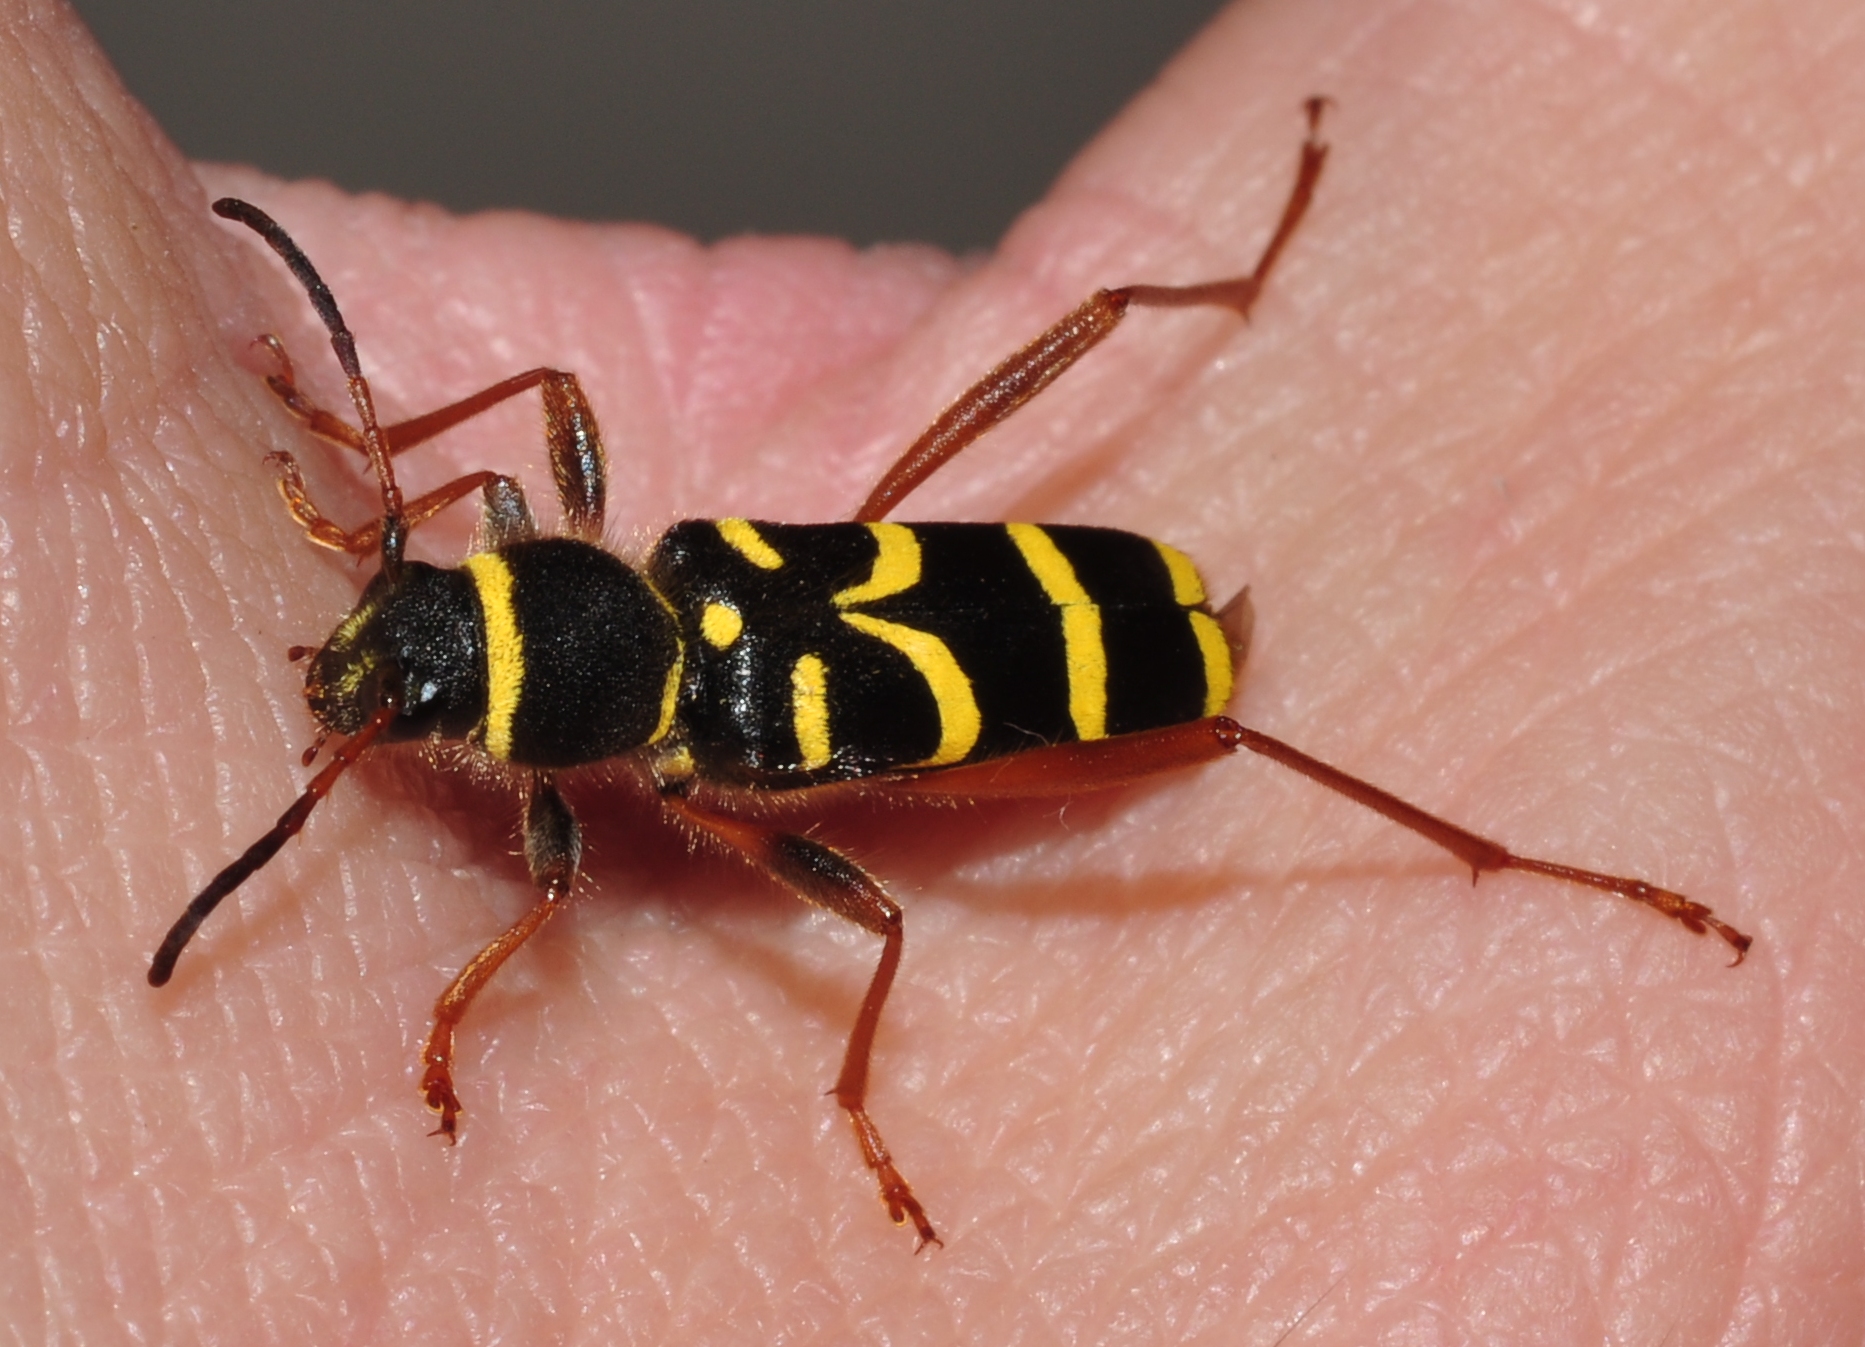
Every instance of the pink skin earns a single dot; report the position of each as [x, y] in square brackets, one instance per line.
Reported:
[1542, 456]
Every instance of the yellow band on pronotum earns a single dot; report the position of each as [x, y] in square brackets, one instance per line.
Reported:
[505, 649]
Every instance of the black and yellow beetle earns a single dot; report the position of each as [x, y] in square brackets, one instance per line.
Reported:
[744, 658]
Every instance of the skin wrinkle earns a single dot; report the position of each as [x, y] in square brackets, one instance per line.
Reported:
[1455, 676]
[1641, 60]
[1463, 675]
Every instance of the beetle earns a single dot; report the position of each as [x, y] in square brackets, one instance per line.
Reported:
[743, 660]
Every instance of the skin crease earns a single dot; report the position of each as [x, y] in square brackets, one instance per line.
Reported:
[1541, 456]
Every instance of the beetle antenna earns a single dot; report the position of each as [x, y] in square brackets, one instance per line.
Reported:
[162, 967]
[394, 530]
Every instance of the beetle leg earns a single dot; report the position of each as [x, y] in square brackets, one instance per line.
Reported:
[1016, 380]
[553, 852]
[325, 532]
[403, 435]
[829, 879]
[577, 462]
[1099, 764]
[506, 516]
[324, 424]
[1479, 853]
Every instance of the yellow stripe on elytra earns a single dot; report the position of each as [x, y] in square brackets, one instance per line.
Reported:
[670, 695]
[505, 649]
[1087, 669]
[896, 566]
[959, 720]
[743, 538]
[670, 689]
[1187, 587]
[1219, 672]
[720, 624]
[1083, 648]
[809, 708]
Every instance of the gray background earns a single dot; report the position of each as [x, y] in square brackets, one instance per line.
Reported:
[870, 119]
